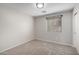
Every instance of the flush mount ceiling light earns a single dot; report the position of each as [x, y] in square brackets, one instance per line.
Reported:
[40, 5]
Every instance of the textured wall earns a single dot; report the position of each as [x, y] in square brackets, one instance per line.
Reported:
[15, 28]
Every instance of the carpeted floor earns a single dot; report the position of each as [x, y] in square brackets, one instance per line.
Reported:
[37, 47]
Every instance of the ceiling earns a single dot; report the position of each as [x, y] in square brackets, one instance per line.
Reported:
[31, 9]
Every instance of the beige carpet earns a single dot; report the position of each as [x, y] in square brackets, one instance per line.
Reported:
[37, 47]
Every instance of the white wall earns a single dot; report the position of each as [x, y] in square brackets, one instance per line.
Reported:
[64, 37]
[76, 27]
[15, 28]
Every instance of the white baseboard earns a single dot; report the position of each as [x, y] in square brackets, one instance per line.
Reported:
[56, 42]
[33, 39]
[20, 43]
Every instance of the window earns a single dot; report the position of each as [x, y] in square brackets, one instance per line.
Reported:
[54, 23]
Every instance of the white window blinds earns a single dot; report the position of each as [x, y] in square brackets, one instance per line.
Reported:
[54, 23]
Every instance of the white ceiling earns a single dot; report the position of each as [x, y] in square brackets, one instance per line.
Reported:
[31, 9]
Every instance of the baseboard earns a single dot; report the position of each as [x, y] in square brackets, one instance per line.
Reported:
[20, 43]
[33, 39]
[56, 42]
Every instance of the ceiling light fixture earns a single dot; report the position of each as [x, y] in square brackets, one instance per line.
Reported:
[40, 5]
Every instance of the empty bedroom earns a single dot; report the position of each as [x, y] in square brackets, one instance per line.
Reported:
[39, 28]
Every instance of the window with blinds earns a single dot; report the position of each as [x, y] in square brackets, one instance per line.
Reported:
[54, 23]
